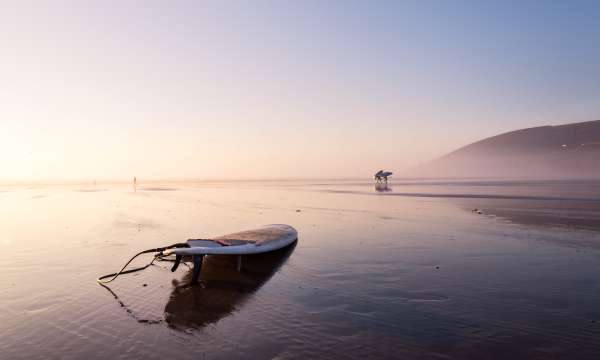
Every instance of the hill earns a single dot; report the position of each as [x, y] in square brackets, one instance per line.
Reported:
[565, 151]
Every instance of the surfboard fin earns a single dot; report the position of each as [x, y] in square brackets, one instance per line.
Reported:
[197, 267]
[177, 262]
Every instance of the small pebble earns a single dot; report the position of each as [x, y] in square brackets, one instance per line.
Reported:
[297, 210]
[145, 285]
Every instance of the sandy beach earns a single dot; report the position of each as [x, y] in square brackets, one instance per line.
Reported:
[375, 272]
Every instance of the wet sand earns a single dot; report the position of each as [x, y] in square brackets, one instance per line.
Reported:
[404, 271]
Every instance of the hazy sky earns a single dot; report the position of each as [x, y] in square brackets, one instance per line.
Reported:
[250, 89]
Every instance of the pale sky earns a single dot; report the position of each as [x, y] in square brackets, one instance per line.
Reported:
[281, 89]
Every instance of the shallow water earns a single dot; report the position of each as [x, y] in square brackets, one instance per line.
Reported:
[407, 271]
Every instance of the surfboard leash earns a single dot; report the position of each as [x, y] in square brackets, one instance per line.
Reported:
[159, 255]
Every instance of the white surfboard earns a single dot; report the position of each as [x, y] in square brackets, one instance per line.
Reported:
[261, 240]
[267, 238]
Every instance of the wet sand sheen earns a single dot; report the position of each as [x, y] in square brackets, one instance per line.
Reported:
[371, 276]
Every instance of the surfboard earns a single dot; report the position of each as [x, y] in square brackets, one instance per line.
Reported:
[262, 240]
[256, 241]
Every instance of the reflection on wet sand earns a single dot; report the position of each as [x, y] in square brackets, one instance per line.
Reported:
[222, 289]
[565, 214]
[382, 187]
[128, 310]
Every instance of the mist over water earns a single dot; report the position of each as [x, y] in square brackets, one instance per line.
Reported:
[458, 269]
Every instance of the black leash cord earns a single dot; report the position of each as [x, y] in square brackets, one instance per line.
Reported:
[123, 271]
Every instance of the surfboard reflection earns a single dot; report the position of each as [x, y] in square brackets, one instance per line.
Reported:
[222, 288]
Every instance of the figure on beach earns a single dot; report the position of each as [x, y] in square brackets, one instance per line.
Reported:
[382, 175]
[134, 184]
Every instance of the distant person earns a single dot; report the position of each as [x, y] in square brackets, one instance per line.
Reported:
[382, 175]
[134, 184]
